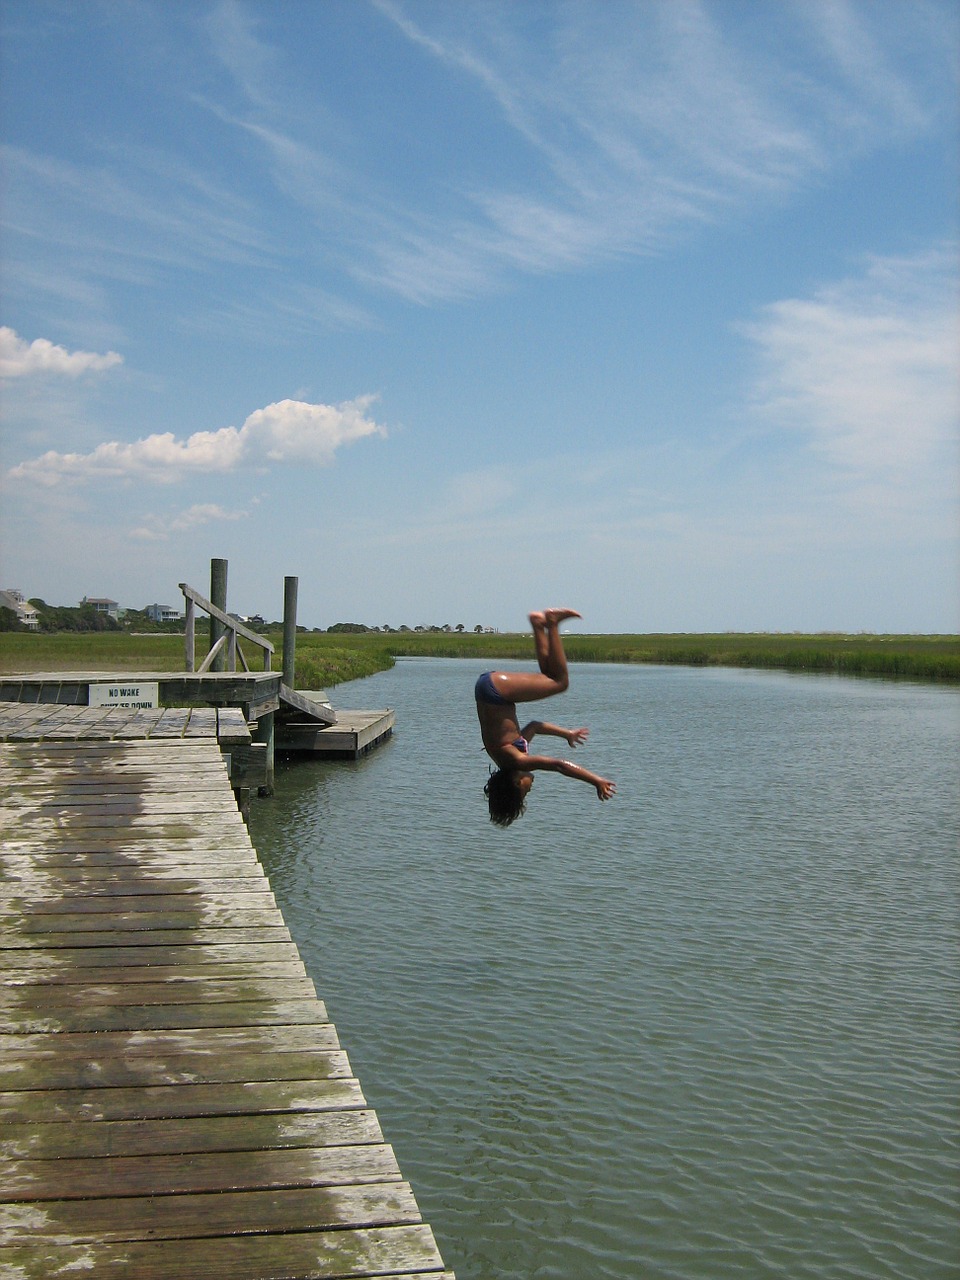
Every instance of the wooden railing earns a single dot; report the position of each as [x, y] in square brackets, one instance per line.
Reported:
[228, 641]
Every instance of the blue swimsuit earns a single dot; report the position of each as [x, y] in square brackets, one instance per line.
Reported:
[486, 691]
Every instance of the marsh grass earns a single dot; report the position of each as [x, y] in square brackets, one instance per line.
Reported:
[89, 651]
[325, 660]
[344, 657]
[917, 657]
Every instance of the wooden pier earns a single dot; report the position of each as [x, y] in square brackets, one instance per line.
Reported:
[285, 719]
[174, 1102]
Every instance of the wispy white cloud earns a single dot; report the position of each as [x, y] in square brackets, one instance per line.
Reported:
[863, 46]
[233, 37]
[613, 129]
[619, 127]
[22, 359]
[284, 432]
[868, 368]
[77, 227]
[190, 218]
[641, 121]
[158, 528]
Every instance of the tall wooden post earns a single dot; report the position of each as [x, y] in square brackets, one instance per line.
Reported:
[218, 596]
[189, 636]
[289, 630]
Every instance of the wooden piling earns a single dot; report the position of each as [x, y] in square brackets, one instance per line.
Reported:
[218, 596]
[289, 630]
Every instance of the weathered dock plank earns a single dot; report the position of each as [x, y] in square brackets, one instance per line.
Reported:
[93, 995]
[136, 913]
[183, 1136]
[105, 1220]
[194, 1067]
[163, 1102]
[235, 857]
[205, 1171]
[72, 885]
[109, 909]
[165, 937]
[216, 1042]
[169, 1080]
[32, 971]
[35, 1015]
[401, 1252]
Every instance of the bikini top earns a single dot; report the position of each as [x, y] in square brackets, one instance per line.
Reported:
[521, 744]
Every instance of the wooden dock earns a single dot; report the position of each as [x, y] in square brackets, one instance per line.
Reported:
[174, 1102]
[305, 721]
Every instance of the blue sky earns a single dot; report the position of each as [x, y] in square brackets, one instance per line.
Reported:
[457, 310]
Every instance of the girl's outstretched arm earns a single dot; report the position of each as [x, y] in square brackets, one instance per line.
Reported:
[574, 737]
[603, 786]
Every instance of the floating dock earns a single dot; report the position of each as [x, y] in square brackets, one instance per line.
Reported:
[353, 734]
[174, 1102]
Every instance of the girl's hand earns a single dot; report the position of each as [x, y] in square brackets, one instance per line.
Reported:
[605, 788]
[576, 737]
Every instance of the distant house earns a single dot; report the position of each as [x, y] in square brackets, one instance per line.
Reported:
[101, 605]
[26, 613]
[163, 613]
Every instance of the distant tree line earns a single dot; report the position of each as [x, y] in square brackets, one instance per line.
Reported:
[359, 628]
[83, 617]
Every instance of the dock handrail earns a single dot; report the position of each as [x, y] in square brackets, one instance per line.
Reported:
[228, 640]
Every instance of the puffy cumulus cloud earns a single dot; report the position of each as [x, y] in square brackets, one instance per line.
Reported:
[295, 431]
[868, 367]
[158, 457]
[288, 431]
[21, 359]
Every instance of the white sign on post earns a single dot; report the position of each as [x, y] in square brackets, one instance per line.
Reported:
[136, 693]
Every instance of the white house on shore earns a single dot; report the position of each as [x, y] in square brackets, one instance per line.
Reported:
[101, 605]
[163, 613]
[26, 613]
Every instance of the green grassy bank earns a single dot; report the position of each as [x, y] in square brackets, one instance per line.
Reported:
[325, 660]
[914, 657]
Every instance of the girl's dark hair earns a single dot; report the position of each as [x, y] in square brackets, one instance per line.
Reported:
[504, 797]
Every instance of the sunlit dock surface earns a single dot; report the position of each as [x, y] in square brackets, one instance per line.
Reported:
[173, 1098]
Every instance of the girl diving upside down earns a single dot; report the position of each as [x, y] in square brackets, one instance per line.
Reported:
[497, 693]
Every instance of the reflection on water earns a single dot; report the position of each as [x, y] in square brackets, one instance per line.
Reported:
[708, 1029]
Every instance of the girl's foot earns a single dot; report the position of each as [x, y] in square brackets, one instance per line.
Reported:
[556, 616]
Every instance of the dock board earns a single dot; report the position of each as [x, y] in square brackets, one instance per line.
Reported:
[174, 1101]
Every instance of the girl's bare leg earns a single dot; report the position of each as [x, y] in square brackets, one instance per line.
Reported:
[551, 659]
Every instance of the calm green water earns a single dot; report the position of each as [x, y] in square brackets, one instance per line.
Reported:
[708, 1029]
